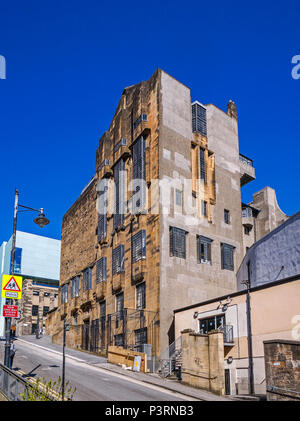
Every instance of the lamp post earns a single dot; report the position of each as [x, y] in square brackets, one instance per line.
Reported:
[249, 332]
[41, 221]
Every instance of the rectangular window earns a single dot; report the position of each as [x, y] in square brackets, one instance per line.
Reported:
[140, 336]
[18, 260]
[141, 296]
[75, 287]
[46, 294]
[204, 207]
[45, 310]
[142, 117]
[102, 219]
[119, 340]
[178, 242]
[202, 165]
[119, 170]
[118, 259]
[199, 118]
[35, 310]
[87, 279]
[247, 230]
[211, 323]
[64, 293]
[226, 216]
[227, 257]
[101, 270]
[35, 293]
[138, 246]
[203, 249]
[139, 175]
[119, 305]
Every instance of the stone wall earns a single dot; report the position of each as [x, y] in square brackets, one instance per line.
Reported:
[120, 356]
[282, 362]
[203, 361]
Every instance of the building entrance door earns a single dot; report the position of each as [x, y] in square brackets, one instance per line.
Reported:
[227, 381]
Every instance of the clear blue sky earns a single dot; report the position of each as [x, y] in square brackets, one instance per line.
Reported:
[68, 62]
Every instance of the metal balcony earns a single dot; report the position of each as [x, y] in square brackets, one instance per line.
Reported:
[247, 170]
[228, 334]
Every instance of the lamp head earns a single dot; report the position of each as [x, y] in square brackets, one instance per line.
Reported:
[41, 220]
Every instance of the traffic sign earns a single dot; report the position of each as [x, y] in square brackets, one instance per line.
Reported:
[12, 286]
[10, 311]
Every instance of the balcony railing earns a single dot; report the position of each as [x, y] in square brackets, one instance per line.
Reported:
[246, 160]
[228, 334]
[247, 213]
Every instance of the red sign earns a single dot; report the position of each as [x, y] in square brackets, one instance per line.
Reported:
[10, 311]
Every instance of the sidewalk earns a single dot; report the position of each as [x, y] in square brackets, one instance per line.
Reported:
[101, 362]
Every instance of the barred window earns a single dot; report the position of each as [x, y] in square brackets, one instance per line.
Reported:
[202, 165]
[119, 169]
[203, 249]
[75, 287]
[138, 159]
[118, 259]
[140, 336]
[87, 279]
[227, 257]
[138, 246]
[141, 296]
[35, 310]
[178, 242]
[101, 270]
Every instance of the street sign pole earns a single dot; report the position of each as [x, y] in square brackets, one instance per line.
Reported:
[12, 267]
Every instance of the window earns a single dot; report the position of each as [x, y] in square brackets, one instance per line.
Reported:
[35, 293]
[142, 117]
[140, 336]
[102, 322]
[101, 270]
[64, 293]
[211, 323]
[119, 305]
[178, 197]
[204, 249]
[17, 260]
[139, 174]
[202, 166]
[247, 229]
[199, 118]
[75, 287]
[118, 259]
[119, 340]
[177, 242]
[102, 219]
[45, 310]
[46, 294]
[35, 310]
[75, 318]
[119, 169]
[141, 296]
[204, 207]
[138, 246]
[226, 216]
[87, 279]
[122, 142]
[227, 259]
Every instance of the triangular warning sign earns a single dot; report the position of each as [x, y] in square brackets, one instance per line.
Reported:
[12, 285]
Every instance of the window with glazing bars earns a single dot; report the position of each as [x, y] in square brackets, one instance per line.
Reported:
[141, 296]
[140, 336]
[119, 305]
[138, 159]
[119, 169]
[138, 246]
[227, 256]
[45, 310]
[101, 270]
[102, 219]
[75, 287]
[87, 279]
[202, 165]
[204, 207]
[35, 310]
[203, 249]
[177, 242]
[118, 259]
[119, 340]
[64, 293]
[199, 119]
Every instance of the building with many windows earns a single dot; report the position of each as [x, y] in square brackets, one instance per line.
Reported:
[160, 223]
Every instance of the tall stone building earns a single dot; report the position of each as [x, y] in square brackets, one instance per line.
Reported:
[177, 238]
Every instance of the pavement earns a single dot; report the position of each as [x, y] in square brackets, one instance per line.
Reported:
[148, 378]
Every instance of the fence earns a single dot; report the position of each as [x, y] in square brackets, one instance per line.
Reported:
[11, 384]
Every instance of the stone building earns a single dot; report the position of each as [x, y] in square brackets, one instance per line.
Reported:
[38, 298]
[175, 238]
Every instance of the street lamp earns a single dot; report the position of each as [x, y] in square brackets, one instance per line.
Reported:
[41, 221]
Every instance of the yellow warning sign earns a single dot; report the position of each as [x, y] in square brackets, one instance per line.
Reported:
[12, 286]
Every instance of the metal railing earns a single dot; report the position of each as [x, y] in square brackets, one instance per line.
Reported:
[228, 333]
[246, 212]
[12, 385]
[246, 160]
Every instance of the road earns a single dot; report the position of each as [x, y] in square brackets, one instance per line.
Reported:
[92, 382]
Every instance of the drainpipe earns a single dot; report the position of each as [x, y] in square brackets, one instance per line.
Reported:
[249, 331]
